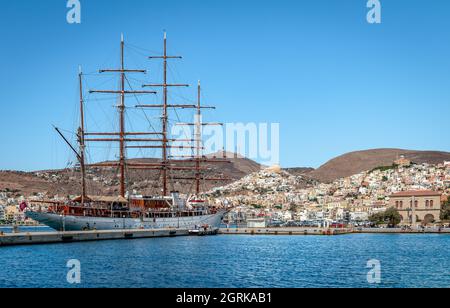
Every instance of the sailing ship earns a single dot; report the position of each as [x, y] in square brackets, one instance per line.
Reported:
[125, 211]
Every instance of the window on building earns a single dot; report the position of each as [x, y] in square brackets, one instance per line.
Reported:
[416, 204]
[431, 203]
[427, 204]
[401, 204]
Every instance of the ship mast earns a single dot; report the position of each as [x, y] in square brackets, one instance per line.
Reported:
[164, 120]
[198, 158]
[122, 119]
[167, 164]
[198, 137]
[165, 113]
[164, 142]
[81, 141]
[122, 134]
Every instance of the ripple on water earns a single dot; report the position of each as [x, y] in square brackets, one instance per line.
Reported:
[235, 261]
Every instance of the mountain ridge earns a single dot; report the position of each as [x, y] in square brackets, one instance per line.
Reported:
[365, 160]
[105, 181]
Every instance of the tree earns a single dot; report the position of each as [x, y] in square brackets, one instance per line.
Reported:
[293, 208]
[391, 217]
[445, 211]
[376, 219]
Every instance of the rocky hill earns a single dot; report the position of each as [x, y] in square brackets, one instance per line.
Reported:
[105, 181]
[299, 171]
[356, 162]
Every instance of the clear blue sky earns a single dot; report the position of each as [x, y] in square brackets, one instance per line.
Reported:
[334, 82]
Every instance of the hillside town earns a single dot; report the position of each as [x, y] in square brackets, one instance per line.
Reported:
[9, 209]
[274, 196]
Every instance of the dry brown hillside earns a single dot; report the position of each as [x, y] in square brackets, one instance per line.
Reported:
[356, 162]
[299, 171]
[105, 181]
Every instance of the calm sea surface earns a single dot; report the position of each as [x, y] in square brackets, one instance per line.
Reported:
[235, 261]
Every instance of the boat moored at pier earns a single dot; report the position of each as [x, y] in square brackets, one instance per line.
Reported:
[133, 211]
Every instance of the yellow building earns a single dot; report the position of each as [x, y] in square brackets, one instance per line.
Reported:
[423, 206]
[403, 162]
[11, 212]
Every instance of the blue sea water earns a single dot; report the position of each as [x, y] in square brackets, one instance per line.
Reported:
[234, 261]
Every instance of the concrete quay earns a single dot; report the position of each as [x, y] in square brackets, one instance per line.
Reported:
[284, 231]
[328, 232]
[34, 238]
[402, 231]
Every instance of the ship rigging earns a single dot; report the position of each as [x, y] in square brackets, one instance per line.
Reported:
[128, 211]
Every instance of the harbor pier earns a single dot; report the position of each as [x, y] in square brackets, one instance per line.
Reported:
[284, 231]
[329, 232]
[403, 231]
[34, 238]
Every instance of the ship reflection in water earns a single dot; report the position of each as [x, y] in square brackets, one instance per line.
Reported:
[234, 261]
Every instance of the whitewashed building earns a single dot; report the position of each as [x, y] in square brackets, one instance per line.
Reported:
[359, 216]
[2, 213]
[256, 223]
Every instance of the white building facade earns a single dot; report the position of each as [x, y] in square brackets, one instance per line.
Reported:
[2, 213]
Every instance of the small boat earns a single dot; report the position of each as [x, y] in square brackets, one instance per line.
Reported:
[204, 230]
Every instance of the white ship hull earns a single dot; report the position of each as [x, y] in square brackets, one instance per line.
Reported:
[76, 223]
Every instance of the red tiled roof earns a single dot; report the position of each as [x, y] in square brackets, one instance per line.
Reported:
[417, 193]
